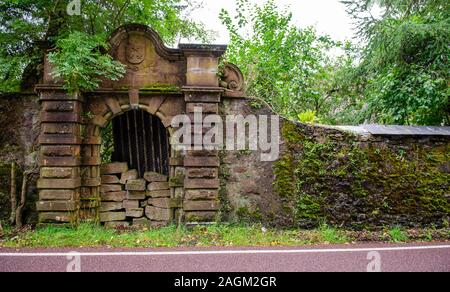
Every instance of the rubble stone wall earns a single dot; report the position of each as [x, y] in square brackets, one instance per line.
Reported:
[327, 175]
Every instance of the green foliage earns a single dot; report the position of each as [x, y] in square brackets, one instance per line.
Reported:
[332, 235]
[79, 61]
[89, 235]
[397, 235]
[107, 147]
[404, 70]
[308, 117]
[286, 66]
[399, 75]
[28, 28]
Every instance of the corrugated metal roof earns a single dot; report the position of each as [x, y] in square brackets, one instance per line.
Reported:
[379, 130]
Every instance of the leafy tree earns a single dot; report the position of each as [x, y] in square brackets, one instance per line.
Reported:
[29, 28]
[80, 62]
[286, 66]
[404, 69]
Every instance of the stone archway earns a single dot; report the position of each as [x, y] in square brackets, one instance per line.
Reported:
[103, 110]
[162, 81]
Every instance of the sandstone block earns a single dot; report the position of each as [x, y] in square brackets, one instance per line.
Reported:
[155, 177]
[160, 203]
[111, 188]
[58, 217]
[129, 175]
[196, 195]
[159, 186]
[202, 184]
[54, 206]
[114, 168]
[112, 216]
[135, 213]
[60, 151]
[203, 153]
[113, 197]
[207, 108]
[56, 172]
[56, 184]
[110, 206]
[159, 194]
[129, 204]
[202, 173]
[136, 185]
[55, 195]
[158, 214]
[110, 179]
[192, 161]
[136, 195]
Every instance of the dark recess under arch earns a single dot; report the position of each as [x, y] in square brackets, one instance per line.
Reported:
[141, 140]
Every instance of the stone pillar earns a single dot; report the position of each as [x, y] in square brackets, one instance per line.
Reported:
[90, 175]
[201, 199]
[59, 140]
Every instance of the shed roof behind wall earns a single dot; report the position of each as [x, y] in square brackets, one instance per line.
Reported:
[379, 130]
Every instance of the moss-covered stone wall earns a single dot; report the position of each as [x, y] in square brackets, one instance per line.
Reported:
[325, 175]
[363, 182]
[19, 129]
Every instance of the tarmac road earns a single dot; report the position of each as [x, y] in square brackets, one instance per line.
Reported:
[348, 258]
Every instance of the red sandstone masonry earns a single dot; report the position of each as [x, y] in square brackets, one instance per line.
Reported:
[71, 163]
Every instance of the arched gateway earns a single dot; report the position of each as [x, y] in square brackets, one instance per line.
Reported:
[149, 183]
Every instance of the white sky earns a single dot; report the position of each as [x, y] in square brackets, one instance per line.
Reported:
[327, 16]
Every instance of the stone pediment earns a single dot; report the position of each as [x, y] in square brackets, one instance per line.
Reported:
[150, 64]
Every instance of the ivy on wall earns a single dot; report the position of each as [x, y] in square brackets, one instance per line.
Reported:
[338, 179]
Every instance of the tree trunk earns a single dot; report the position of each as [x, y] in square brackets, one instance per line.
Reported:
[13, 194]
[23, 200]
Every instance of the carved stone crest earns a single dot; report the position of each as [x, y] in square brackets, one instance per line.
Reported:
[135, 51]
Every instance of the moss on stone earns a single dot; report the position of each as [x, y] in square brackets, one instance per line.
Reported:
[360, 184]
[245, 214]
[224, 175]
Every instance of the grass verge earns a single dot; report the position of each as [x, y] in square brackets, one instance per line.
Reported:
[87, 235]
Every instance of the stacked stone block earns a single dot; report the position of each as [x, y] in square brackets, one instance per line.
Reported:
[129, 200]
[60, 140]
[201, 186]
[201, 198]
[91, 182]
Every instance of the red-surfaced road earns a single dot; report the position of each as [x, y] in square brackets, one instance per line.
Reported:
[348, 258]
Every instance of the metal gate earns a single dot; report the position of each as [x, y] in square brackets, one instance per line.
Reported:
[141, 140]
